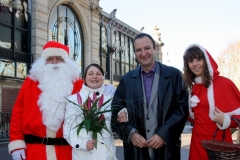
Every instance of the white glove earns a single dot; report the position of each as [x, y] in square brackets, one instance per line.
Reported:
[18, 154]
[109, 90]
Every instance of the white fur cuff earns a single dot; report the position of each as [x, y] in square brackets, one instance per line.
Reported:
[226, 122]
[17, 144]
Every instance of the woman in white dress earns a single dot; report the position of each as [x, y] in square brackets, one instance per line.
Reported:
[82, 144]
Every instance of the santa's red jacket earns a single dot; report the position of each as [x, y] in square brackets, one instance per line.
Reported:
[27, 119]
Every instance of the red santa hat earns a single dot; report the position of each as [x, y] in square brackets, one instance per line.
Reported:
[52, 48]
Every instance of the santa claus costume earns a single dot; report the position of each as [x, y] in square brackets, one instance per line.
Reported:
[223, 94]
[38, 113]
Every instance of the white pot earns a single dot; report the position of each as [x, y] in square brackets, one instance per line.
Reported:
[16, 4]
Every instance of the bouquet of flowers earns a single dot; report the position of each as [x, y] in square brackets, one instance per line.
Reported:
[92, 114]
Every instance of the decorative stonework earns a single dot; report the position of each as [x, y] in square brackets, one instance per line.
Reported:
[96, 9]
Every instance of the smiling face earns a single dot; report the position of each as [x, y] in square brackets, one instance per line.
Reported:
[196, 66]
[145, 53]
[94, 78]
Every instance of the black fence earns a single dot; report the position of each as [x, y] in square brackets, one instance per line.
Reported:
[4, 125]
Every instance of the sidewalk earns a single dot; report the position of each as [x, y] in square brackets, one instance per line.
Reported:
[186, 137]
[4, 152]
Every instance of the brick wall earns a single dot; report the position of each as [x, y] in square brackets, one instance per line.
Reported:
[9, 96]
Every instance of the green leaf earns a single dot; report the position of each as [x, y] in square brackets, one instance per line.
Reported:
[100, 112]
[94, 137]
[72, 102]
[80, 126]
[97, 127]
[95, 103]
[87, 124]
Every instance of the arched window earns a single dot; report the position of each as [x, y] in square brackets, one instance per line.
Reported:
[64, 27]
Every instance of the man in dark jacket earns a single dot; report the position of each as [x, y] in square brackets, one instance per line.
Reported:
[156, 101]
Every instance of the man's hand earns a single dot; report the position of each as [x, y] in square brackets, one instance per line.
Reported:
[155, 142]
[139, 141]
[18, 154]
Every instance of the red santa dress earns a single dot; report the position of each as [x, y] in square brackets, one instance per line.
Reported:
[223, 94]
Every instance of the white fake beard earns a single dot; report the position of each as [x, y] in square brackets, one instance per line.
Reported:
[56, 84]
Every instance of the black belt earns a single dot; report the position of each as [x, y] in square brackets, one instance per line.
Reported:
[45, 140]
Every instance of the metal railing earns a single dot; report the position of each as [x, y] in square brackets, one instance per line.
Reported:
[4, 125]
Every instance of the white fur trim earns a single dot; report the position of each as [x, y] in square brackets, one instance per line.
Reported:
[191, 114]
[54, 52]
[226, 122]
[198, 80]
[194, 100]
[211, 101]
[235, 112]
[50, 149]
[17, 144]
[227, 118]
[51, 154]
[50, 133]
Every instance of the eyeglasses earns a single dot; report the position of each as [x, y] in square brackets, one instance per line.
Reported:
[54, 58]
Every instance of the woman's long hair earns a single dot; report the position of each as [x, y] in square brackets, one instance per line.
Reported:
[193, 53]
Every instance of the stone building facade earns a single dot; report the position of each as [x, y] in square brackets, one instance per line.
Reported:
[92, 35]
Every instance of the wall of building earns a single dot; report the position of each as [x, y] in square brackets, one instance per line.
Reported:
[89, 13]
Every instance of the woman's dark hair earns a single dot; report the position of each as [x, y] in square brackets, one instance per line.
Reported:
[193, 53]
[90, 65]
[141, 35]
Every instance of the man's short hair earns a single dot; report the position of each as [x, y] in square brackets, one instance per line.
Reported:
[141, 35]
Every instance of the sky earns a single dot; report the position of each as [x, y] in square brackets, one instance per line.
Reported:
[213, 24]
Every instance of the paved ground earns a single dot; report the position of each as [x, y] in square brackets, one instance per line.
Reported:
[186, 137]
